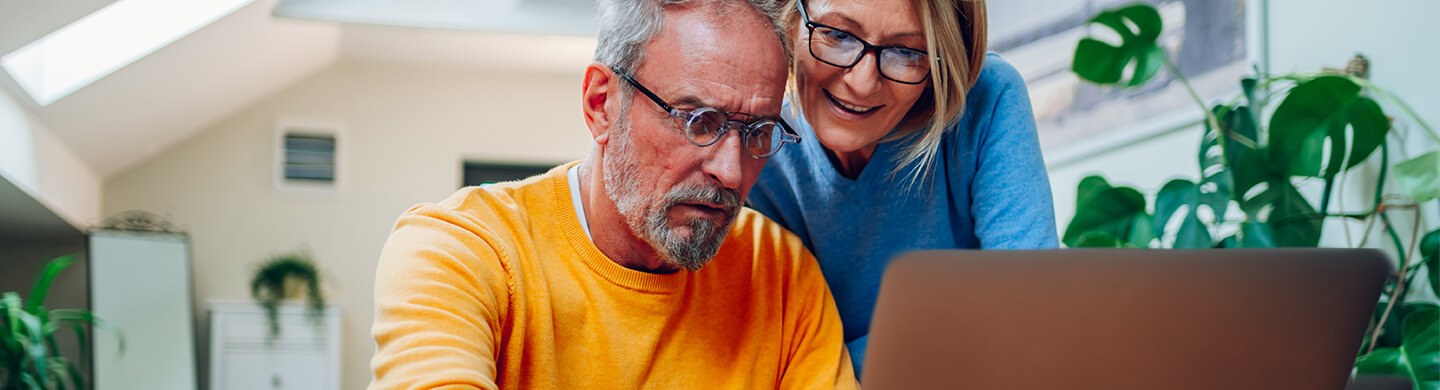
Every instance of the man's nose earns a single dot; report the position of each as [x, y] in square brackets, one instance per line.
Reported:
[724, 161]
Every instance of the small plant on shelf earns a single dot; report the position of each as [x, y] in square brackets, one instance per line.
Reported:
[283, 277]
[1248, 196]
[29, 356]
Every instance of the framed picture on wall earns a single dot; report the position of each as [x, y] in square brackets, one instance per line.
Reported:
[1210, 41]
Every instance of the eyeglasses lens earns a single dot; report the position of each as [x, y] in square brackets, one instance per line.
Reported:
[842, 49]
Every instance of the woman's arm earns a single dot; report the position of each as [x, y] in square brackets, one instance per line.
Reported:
[1011, 199]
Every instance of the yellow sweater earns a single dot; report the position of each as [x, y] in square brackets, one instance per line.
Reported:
[499, 288]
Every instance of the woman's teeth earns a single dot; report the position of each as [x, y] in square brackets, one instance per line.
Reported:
[848, 107]
[854, 108]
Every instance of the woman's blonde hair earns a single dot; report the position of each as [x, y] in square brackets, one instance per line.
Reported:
[955, 36]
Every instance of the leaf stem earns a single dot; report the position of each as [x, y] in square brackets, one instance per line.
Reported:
[1399, 294]
[1325, 196]
[1384, 171]
[1209, 116]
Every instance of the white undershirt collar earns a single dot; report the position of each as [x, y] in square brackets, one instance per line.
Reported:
[574, 174]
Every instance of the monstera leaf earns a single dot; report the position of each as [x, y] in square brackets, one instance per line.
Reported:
[1422, 346]
[1193, 233]
[1244, 167]
[1324, 107]
[1430, 251]
[1383, 361]
[1139, 26]
[1118, 212]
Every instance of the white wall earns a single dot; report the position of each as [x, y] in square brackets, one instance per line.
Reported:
[1304, 35]
[406, 132]
[37, 162]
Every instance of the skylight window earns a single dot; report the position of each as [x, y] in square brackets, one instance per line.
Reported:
[105, 41]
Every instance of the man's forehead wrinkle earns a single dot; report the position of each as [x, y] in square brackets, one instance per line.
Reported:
[722, 96]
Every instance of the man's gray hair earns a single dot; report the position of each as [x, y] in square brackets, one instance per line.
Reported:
[626, 26]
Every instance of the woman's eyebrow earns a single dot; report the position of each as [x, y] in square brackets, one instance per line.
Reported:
[858, 28]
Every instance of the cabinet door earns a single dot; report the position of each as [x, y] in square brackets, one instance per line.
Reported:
[251, 369]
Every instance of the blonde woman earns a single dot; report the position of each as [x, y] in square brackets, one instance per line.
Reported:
[913, 138]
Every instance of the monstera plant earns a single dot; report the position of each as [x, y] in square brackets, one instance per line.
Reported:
[29, 356]
[1248, 193]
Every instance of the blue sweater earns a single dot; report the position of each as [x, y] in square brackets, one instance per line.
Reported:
[989, 190]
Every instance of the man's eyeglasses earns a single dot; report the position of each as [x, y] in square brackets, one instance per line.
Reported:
[704, 126]
[842, 49]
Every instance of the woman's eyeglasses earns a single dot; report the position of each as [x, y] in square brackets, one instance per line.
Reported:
[842, 49]
[704, 126]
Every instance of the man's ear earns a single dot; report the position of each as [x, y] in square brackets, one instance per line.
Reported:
[598, 101]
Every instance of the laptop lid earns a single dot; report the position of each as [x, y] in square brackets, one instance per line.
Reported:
[1123, 319]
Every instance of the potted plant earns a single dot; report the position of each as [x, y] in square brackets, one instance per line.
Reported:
[29, 357]
[287, 276]
[1249, 174]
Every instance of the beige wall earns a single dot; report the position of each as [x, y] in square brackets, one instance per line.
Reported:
[405, 132]
[36, 161]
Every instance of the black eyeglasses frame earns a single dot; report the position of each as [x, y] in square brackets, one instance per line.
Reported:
[811, 25]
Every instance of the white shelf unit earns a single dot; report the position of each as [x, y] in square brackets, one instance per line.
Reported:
[303, 356]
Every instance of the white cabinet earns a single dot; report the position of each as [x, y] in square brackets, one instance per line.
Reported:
[304, 356]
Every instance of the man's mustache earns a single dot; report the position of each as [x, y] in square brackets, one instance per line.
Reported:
[727, 199]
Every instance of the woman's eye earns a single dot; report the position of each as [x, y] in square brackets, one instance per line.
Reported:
[908, 56]
[836, 35]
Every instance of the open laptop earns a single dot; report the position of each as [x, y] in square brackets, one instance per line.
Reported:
[1123, 319]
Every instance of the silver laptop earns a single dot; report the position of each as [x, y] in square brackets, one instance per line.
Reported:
[1123, 319]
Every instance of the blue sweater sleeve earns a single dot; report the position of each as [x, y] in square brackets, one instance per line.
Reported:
[1010, 195]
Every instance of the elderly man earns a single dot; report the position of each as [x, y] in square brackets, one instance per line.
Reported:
[636, 267]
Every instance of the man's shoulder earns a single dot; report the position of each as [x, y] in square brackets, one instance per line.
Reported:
[756, 240]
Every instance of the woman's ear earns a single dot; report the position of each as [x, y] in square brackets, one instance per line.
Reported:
[596, 101]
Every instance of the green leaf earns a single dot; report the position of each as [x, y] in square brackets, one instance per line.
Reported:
[1089, 186]
[77, 320]
[1369, 124]
[1292, 219]
[1391, 333]
[1117, 211]
[1233, 241]
[1176, 193]
[1247, 85]
[1216, 181]
[1255, 235]
[42, 284]
[1419, 177]
[1383, 361]
[1096, 240]
[1422, 346]
[1247, 167]
[1430, 251]
[1321, 108]
[1139, 25]
[1193, 234]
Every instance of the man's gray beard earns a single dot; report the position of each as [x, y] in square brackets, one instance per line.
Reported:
[653, 225]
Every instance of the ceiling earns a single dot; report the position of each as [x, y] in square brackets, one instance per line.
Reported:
[262, 48]
[26, 219]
